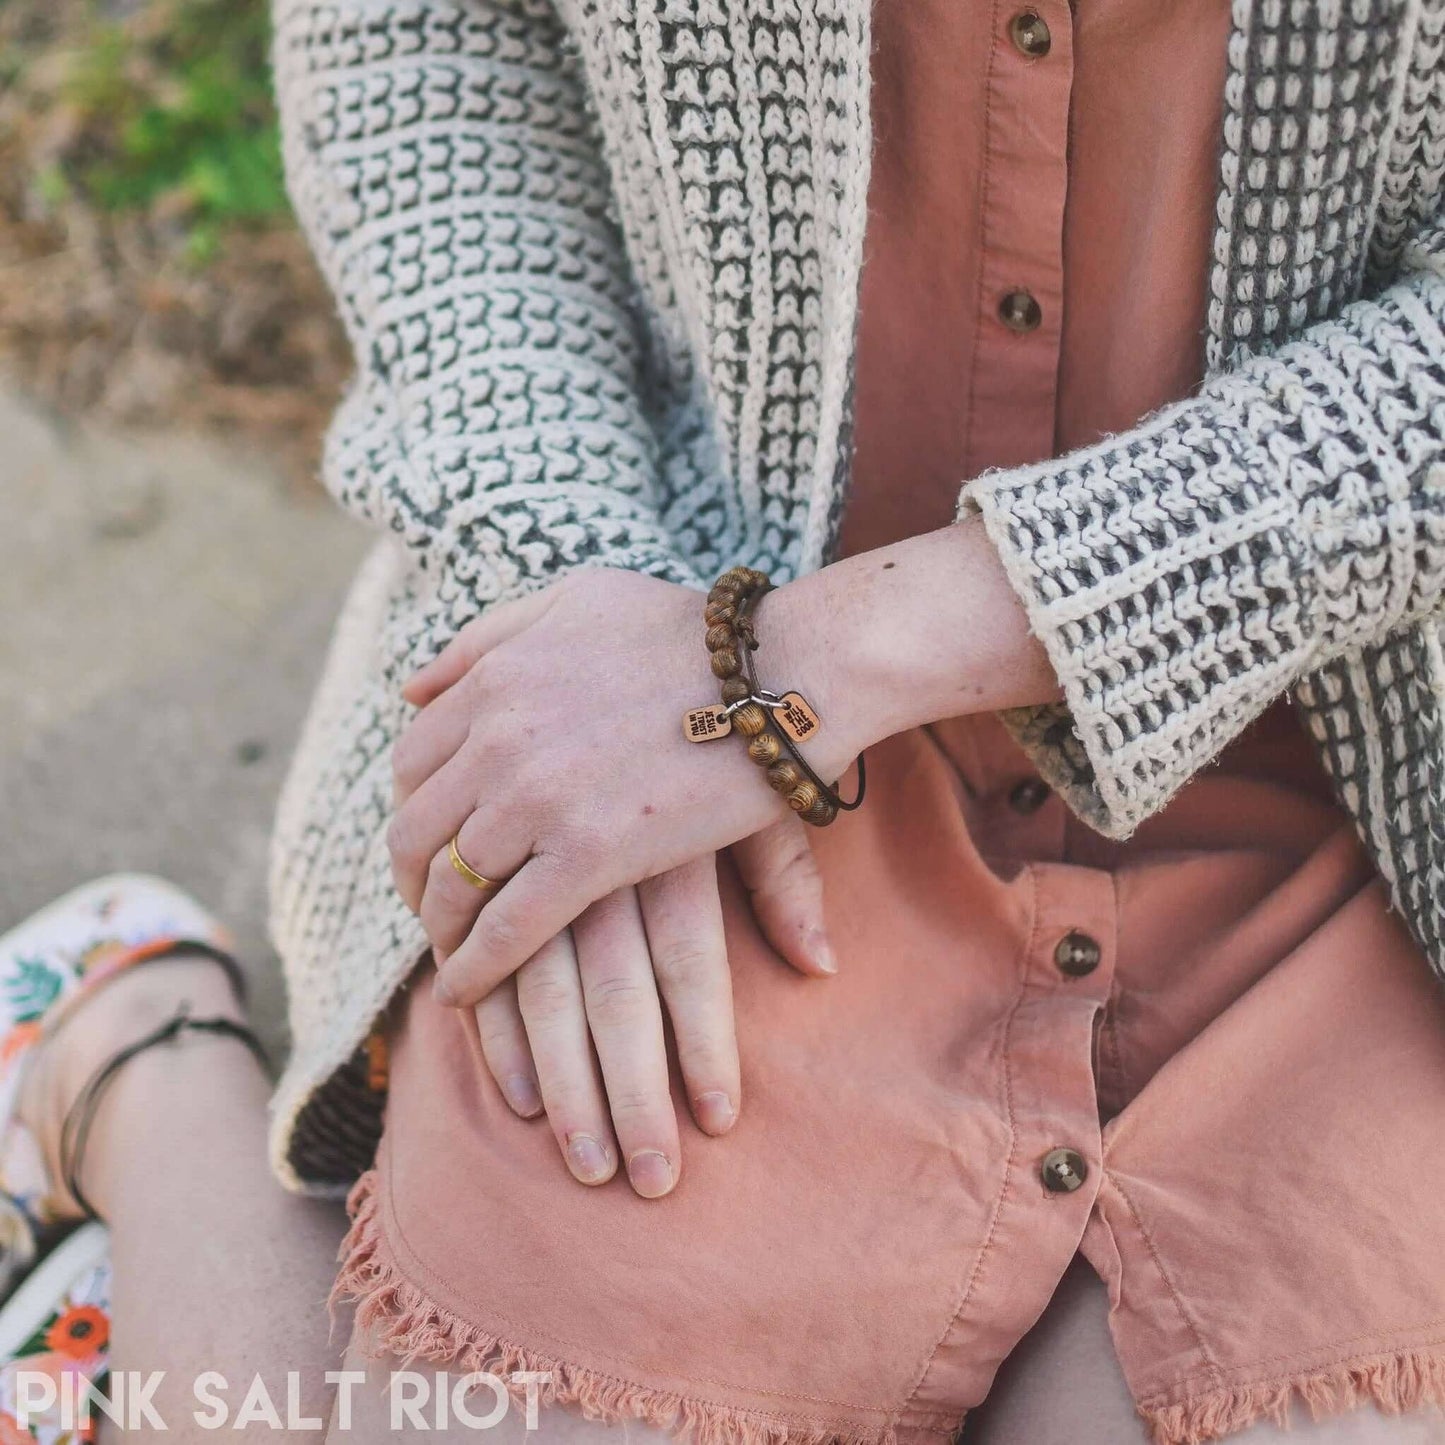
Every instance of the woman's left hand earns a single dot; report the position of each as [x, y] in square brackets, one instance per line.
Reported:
[578, 1030]
[549, 744]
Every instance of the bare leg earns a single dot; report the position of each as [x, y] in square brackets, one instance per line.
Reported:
[215, 1266]
[1063, 1386]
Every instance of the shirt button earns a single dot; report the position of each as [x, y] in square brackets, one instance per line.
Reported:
[1030, 34]
[1077, 954]
[1028, 796]
[1019, 311]
[1063, 1170]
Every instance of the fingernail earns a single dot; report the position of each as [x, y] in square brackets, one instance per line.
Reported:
[522, 1095]
[650, 1173]
[823, 953]
[587, 1159]
[715, 1112]
[442, 993]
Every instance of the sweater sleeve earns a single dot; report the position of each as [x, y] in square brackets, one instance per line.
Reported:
[1182, 575]
[443, 162]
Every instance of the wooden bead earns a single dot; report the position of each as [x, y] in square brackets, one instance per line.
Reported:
[720, 635]
[784, 776]
[735, 689]
[804, 796]
[764, 749]
[725, 662]
[821, 813]
[750, 720]
[716, 612]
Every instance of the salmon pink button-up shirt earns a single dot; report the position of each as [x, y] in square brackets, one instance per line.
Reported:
[1040, 215]
[1041, 210]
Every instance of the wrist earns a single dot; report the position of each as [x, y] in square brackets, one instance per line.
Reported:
[821, 636]
[902, 636]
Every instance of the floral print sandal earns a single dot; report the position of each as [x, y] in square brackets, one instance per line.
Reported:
[55, 1319]
[56, 1325]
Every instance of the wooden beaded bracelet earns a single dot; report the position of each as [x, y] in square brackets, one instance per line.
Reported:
[773, 724]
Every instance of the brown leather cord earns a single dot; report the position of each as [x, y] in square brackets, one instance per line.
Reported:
[746, 629]
[747, 632]
[75, 1131]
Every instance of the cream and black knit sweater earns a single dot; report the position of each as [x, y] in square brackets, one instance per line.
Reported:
[600, 263]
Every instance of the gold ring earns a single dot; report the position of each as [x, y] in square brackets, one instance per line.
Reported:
[486, 885]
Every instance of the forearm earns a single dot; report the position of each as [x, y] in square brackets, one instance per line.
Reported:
[908, 634]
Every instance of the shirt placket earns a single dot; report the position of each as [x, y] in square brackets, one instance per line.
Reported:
[1020, 304]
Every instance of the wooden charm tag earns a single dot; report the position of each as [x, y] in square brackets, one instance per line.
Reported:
[703, 724]
[796, 718]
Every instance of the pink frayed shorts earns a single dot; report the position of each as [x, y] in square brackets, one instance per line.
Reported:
[1221, 1018]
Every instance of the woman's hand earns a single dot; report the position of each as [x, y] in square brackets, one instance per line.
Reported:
[549, 742]
[579, 1030]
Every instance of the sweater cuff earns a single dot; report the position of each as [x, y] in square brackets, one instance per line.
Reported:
[1169, 586]
[1182, 575]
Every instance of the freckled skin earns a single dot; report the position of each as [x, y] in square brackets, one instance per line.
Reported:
[878, 649]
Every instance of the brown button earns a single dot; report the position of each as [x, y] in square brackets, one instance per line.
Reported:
[1030, 34]
[1063, 1170]
[1076, 954]
[1019, 311]
[1028, 796]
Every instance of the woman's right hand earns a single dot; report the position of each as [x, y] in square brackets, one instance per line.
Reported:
[577, 1032]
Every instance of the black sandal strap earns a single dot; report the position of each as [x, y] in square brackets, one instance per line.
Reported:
[75, 1131]
[185, 947]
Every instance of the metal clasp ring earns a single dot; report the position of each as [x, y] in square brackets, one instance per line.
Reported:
[762, 697]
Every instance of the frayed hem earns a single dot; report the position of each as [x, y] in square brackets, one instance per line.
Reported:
[1394, 1384]
[397, 1319]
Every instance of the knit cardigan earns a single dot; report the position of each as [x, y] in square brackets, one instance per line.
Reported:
[599, 262]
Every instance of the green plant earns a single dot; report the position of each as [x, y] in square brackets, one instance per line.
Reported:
[177, 115]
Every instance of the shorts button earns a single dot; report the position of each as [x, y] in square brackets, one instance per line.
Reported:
[1019, 311]
[1076, 954]
[1028, 796]
[1063, 1170]
[1030, 34]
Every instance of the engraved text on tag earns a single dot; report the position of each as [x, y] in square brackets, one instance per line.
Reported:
[703, 724]
[796, 718]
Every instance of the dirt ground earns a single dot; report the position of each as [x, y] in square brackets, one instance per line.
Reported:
[167, 603]
[106, 311]
[169, 568]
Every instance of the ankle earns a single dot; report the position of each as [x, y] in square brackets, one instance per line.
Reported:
[119, 1014]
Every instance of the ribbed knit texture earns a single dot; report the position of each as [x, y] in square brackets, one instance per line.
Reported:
[599, 264]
